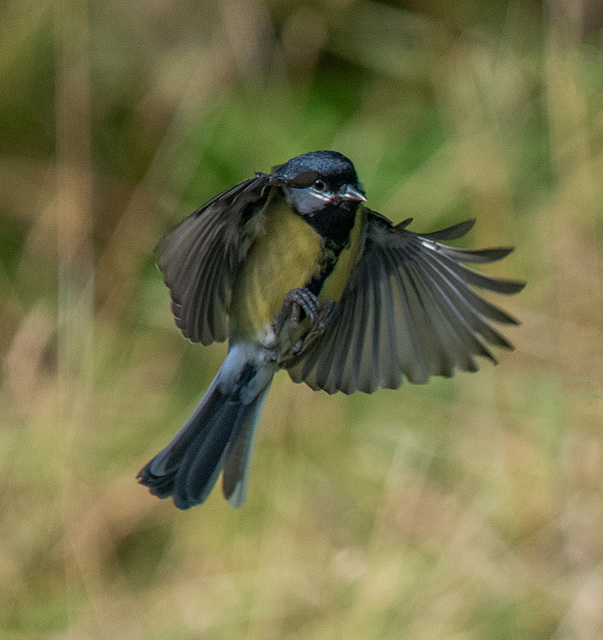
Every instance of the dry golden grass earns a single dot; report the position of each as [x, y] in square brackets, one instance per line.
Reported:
[469, 508]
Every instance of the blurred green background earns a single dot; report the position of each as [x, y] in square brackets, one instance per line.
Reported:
[466, 509]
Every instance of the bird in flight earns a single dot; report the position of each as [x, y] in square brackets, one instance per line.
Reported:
[298, 274]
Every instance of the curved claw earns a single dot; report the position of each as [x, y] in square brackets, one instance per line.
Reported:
[296, 301]
[320, 316]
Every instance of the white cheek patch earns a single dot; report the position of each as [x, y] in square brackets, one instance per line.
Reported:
[308, 200]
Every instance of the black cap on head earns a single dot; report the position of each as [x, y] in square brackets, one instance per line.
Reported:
[330, 166]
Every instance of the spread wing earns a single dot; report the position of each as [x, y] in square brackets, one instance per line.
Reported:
[408, 310]
[199, 257]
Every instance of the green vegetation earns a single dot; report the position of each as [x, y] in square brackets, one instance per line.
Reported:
[469, 508]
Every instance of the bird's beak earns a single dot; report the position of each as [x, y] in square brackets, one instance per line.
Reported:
[351, 193]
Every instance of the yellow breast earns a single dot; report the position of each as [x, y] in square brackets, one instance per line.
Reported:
[284, 257]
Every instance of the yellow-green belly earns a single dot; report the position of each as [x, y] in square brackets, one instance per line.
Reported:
[286, 256]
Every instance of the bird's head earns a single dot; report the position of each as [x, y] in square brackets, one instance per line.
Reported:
[317, 180]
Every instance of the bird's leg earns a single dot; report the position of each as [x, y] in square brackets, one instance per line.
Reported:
[296, 301]
[320, 315]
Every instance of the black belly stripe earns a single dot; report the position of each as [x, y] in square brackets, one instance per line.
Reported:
[334, 223]
[316, 283]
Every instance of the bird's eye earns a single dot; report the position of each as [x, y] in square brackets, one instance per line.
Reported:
[319, 185]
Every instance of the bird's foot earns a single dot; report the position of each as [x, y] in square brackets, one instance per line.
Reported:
[320, 315]
[296, 301]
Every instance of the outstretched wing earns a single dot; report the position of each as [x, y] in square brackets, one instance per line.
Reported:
[407, 311]
[199, 257]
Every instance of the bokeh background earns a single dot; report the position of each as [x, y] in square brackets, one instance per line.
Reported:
[465, 509]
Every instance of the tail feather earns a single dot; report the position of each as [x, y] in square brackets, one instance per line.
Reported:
[236, 467]
[205, 457]
[218, 437]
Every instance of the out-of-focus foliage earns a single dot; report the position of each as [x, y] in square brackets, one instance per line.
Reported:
[468, 508]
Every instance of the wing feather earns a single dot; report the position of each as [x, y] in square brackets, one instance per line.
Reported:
[437, 309]
[408, 310]
[469, 312]
[199, 257]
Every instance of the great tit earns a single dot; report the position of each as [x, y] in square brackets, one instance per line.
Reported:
[299, 274]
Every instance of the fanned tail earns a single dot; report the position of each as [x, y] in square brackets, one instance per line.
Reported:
[217, 438]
